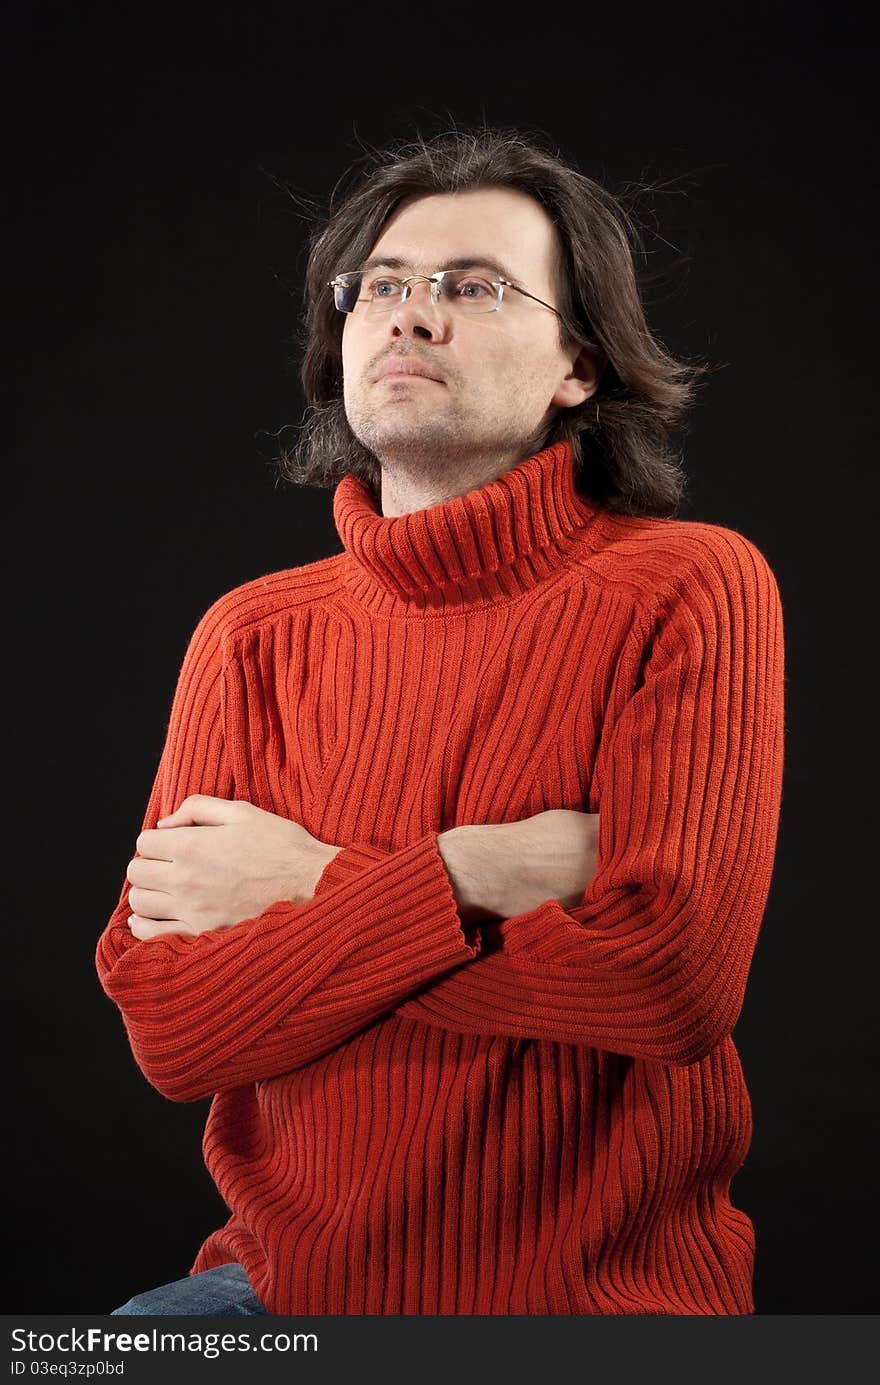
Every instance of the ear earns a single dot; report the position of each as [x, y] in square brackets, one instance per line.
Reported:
[582, 379]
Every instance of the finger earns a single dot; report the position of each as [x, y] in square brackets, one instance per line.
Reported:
[155, 845]
[150, 904]
[149, 874]
[201, 810]
[150, 928]
[169, 846]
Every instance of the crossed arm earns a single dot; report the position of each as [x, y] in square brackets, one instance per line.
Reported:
[188, 880]
[651, 961]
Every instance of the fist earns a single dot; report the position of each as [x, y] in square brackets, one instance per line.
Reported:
[215, 862]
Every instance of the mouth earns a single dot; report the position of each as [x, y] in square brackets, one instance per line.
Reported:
[404, 370]
[399, 375]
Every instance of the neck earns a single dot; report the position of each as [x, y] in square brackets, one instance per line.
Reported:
[418, 483]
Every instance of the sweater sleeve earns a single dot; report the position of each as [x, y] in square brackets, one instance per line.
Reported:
[653, 962]
[237, 1005]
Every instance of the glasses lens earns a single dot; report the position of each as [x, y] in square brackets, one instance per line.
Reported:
[346, 288]
[469, 291]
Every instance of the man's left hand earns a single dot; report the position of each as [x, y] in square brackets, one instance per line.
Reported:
[216, 861]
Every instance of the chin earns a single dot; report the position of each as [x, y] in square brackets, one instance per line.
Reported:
[424, 434]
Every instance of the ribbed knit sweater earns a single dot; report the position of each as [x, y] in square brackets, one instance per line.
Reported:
[538, 1115]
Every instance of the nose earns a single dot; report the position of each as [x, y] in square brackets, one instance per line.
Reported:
[417, 316]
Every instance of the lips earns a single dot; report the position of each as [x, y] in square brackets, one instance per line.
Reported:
[403, 366]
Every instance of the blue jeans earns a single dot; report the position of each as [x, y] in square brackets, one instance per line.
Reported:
[223, 1290]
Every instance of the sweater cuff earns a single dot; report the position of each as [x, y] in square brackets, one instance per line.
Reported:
[431, 888]
[347, 864]
[537, 931]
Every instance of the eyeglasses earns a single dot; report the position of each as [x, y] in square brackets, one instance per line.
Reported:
[461, 290]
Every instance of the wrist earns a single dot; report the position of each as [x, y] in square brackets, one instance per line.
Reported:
[468, 865]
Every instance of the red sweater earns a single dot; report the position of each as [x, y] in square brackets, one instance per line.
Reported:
[537, 1116]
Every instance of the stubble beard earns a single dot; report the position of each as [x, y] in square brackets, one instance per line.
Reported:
[420, 442]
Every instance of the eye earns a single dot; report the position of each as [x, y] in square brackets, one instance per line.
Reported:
[475, 289]
[383, 288]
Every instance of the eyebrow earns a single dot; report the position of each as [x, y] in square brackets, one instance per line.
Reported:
[458, 262]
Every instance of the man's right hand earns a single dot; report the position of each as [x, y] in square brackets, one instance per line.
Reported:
[499, 870]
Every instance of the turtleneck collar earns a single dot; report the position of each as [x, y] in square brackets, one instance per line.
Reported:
[491, 544]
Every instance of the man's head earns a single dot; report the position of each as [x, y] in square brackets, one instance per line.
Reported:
[509, 382]
[496, 378]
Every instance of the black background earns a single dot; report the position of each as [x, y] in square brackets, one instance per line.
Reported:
[153, 281]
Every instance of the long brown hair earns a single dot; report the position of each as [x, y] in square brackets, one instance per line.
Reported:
[620, 437]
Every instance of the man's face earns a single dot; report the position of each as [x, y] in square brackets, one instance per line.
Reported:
[500, 375]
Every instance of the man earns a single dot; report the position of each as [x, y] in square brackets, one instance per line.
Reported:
[459, 845]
